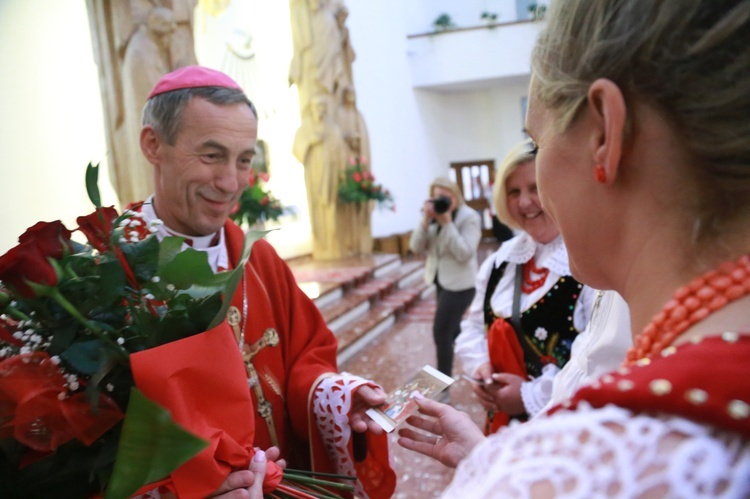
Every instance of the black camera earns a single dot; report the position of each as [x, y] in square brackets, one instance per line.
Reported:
[441, 204]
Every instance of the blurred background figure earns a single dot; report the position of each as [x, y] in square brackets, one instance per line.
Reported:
[449, 235]
[528, 309]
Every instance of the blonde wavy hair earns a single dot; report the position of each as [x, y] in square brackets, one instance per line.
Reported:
[520, 154]
[689, 59]
[447, 183]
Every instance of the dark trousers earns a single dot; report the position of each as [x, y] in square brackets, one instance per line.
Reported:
[451, 306]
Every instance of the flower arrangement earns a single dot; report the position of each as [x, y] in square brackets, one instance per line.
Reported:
[85, 334]
[358, 185]
[256, 203]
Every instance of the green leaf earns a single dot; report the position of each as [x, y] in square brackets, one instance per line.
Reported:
[169, 248]
[190, 267]
[112, 283]
[87, 356]
[143, 257]
[236, 275]
[92, 187]
[151, 447]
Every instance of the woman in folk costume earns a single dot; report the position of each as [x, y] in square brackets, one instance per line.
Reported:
[528, 309]
[640, 113]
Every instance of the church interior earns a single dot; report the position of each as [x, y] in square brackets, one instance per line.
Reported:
[406, 90]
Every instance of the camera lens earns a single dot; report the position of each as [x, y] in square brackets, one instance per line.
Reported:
[441, 204]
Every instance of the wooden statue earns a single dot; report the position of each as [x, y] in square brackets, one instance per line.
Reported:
[135, 43]
[321, 69]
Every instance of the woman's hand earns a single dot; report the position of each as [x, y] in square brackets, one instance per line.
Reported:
[506, 393]
[428, 214]
[451, 434]
[248, 484]
[483, 375]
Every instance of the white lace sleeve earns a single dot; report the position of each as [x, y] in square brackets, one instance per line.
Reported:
[608, 452]
[536, 393]
[332, 403]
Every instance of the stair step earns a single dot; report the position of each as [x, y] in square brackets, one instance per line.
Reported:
[359, 298]
[352, 305]
[378, 319]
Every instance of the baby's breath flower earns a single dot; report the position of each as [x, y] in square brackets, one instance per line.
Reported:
[55, 359]
[156, 278]
[170, 287]
[120, 340]
[110, 387]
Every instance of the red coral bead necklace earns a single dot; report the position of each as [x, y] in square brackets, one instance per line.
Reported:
[691, 304]
[530, 283]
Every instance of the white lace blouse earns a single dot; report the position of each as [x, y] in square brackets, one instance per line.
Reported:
[607, 452]
[471, 344]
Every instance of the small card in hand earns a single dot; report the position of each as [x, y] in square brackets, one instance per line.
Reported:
[399, 404]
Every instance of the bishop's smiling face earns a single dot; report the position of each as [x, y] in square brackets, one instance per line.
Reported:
[200, 178]
[524, 206]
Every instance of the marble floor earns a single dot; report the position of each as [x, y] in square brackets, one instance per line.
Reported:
[393, 358]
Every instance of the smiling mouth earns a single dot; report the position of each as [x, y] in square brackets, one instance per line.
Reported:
[533, 215]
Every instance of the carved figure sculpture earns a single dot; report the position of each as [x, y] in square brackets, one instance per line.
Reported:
[146, 60]
[319, 146]
[135, 43]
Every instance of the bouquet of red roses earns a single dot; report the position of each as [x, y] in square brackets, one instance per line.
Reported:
[108, 373]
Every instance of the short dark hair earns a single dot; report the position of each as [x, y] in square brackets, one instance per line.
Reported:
[164, 111]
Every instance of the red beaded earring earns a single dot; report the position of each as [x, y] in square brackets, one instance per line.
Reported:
[599, 174]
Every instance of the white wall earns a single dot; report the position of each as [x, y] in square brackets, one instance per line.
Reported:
[51, 122]
[416, 134]
[420, 14]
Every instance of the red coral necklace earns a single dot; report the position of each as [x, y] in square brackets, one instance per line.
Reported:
[691, 304]
[529, 283]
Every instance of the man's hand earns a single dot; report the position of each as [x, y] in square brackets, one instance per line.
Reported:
[364, 398]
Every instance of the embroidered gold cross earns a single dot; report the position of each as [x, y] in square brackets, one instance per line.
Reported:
[270, 339]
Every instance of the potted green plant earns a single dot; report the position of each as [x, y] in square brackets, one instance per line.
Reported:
[443, 22]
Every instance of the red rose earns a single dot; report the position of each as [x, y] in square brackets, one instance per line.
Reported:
[264, 201]
[357, 177]
[51, 238]
[26, 262]
[97, 227]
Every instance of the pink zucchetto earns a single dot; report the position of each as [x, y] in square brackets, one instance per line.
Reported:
[192, 77]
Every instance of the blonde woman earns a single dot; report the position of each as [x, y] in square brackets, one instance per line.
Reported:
[514, 357]
[449, 234]
[639, 114]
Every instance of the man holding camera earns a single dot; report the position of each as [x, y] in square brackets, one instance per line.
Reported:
[449, 235]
